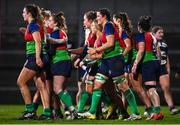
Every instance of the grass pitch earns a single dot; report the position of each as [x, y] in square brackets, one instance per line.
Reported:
[10, 113]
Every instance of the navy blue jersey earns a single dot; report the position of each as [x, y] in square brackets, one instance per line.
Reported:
[33, 27]
[124, 35]
[109, 29]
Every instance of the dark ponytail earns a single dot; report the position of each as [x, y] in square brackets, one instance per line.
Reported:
[60, 20]
[126, 23]
[34, 10]
[145, 23]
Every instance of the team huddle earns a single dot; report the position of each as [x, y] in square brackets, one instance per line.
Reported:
[111, 62]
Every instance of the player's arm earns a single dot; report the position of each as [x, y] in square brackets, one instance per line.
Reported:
[76, 51]
[57, 41]
[37, 39]
[140, 53]
[127, 42]
[139, 56]
[34, 30]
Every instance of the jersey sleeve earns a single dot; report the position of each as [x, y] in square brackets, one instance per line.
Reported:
[62, 34]
[109, 29]
[55, 34]
[33, 27]
[124, 35]
[140, 37]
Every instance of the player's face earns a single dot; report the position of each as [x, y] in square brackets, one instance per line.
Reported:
[159, 34]
[139, 29]
[99, 18]
[117, 21]
[93, 28]
[86, 22]
[51, 23]
[25, 14]
[46, 21]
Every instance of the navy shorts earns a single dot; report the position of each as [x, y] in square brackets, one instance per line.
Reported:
[150, 71]
[138, 71]
[49, 75]
[163, 70]
[112, 67]
[81, 73]
[62, 68]
[94, 69]
[31, 62]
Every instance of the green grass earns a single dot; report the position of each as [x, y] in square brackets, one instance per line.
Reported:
[9, 114]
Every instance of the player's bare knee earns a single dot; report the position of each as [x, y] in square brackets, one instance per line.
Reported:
[57, 90]
[98, 85]
[91, 78]
[41, 86]
[151, 89]
[20, 82]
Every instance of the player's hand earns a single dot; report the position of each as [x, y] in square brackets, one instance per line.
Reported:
[49, 40]
[73, 56]
[22, 29]
[133, 70]
[76, 63]
[91, 51]
[81, 63]
[39, 62]
[65, 39]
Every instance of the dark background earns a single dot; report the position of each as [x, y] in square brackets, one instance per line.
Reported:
[165, 13]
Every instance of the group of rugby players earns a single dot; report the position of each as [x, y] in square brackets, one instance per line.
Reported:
[111, 62]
